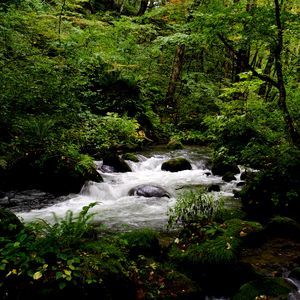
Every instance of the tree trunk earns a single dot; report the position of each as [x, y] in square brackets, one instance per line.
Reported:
[267, 71]
[295, 137]
[175, 76]
[143, 7]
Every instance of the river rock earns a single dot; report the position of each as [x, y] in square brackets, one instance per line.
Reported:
[10, 225]
[130, 156]
[213, 188]
[147, 190]
[247, 175]
[118, 164]
[271, 288]
[176, 164]
[174, 145]
[220, 168]
[107, 169]
[228, 176]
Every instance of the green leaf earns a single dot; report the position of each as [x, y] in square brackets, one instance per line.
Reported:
[37, 275]
[58, 275]
[62, 285]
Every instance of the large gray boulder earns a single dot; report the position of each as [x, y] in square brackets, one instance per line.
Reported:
[148, 190]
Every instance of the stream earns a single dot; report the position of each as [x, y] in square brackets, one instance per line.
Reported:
[117, 210]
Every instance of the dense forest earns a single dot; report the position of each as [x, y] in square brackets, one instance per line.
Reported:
[89, 79]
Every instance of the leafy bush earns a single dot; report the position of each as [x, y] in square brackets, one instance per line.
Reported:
[61, 257]
[99, 134]
[194, 207]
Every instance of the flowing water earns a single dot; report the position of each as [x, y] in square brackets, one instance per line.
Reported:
[117, 210]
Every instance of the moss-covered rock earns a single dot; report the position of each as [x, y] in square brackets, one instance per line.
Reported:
[221, 167]
[119, 164]
[174, 145]
[228, 176]
[176, 164]
[181, 286]
[130, 156]
[142, 242]
[10, 225]
[283, 226]
[268, 287]
[249, 233]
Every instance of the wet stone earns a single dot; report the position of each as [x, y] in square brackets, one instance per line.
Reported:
[27, 200]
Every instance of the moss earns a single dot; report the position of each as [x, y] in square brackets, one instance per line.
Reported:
[130, 156]
[283, 226]
[176, 164]
[142, 242]
[174, 145]
[250, 233]
[269, 287]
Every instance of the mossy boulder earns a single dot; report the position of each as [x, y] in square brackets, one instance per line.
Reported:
[59, 173]
[220, 168]
[65, 178]
[174, 145]
[228, 176]
[181, 287]
[119, 164]
[268, 287]
[214, 261]
[283, 227]
[176, 164]
[10, 224]
[249, 233]
[130, 156]
[142, 242]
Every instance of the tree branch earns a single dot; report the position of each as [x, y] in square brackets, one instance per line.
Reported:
[263, 77]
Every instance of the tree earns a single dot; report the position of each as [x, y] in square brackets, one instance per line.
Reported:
[279, 84]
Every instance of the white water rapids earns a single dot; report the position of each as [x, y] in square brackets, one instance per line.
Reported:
[116, 209]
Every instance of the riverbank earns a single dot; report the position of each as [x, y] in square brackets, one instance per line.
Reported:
[220, 260]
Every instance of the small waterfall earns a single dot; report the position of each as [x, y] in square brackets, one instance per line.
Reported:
[295, 295]
[115, 208]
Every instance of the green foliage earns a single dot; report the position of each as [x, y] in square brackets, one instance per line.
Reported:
[221, 250]
[99, 134]
[194, 207]
[68, 231]
[265, 287]
[59, 256]
[274, 190]
[142, 242]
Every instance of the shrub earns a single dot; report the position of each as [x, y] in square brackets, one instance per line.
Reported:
[62, 257]
[194, 207]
